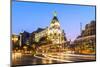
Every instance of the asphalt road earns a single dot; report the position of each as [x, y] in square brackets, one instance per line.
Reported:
[50, 59]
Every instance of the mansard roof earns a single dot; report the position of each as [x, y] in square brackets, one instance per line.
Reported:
[39, 30]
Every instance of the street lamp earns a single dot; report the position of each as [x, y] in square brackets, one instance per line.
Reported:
[25, 48]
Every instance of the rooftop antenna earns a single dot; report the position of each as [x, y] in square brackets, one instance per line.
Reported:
[80, 27]
[81, 34]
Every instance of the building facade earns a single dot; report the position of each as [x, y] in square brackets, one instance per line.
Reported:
[86, 42]
[49, 39]
[15, 41]
[52, 33]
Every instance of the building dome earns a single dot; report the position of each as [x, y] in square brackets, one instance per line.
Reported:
[55, 22]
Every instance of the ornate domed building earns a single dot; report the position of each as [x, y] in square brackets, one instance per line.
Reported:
[51, 38]
[53, 33]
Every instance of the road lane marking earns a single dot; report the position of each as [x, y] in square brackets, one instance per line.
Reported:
[47, 58]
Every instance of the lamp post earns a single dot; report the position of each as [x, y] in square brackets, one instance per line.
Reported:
[20, 43]
[25, 48]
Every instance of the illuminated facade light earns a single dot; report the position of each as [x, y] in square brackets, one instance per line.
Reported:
[53, 32]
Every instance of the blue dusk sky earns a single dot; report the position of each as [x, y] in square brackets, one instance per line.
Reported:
[29, 16]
